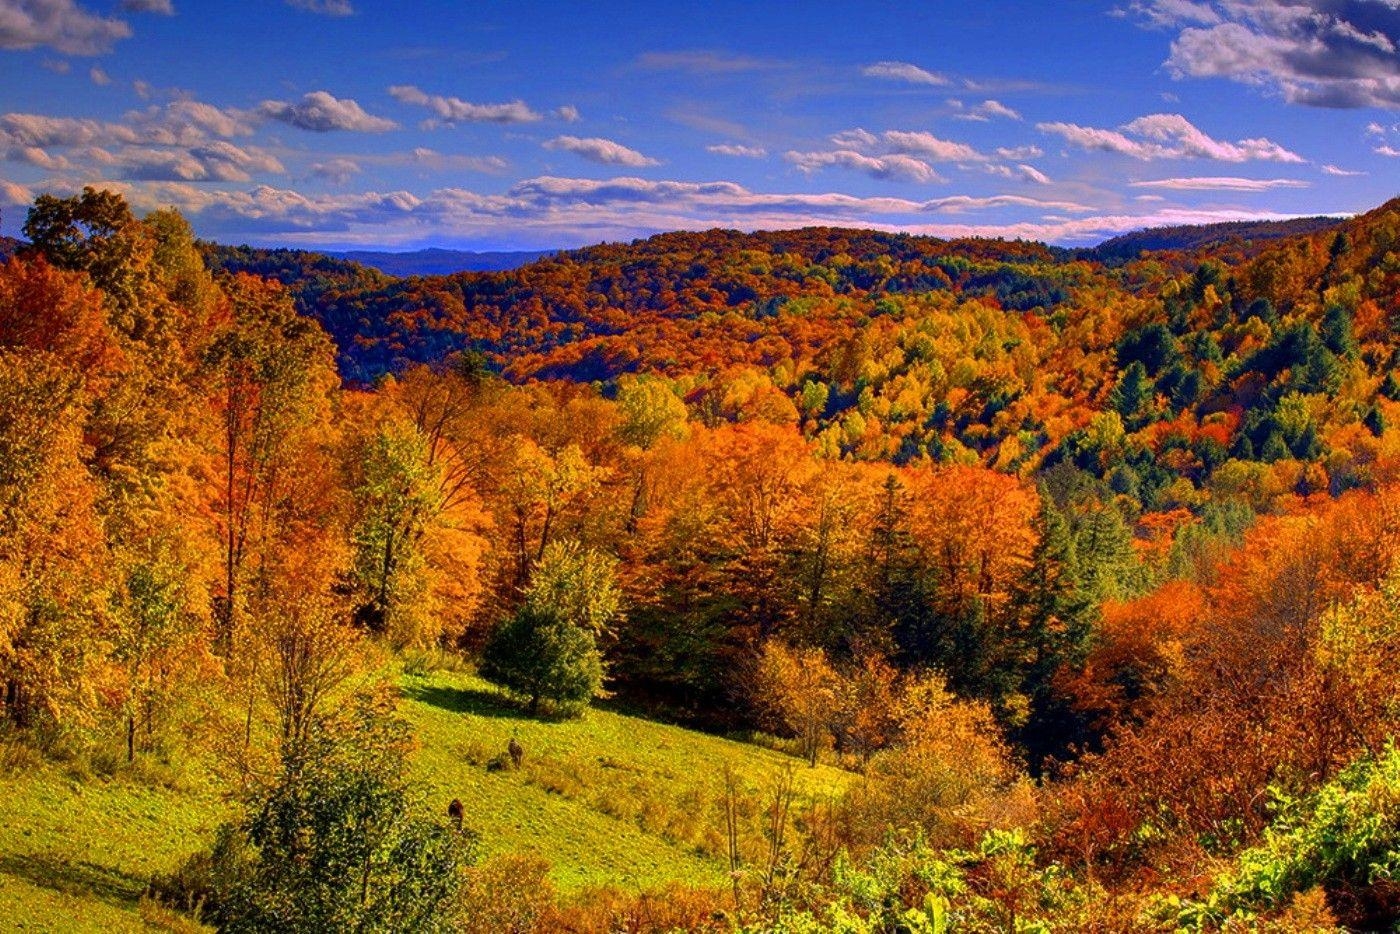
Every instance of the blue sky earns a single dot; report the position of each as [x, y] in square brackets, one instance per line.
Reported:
[504, 125]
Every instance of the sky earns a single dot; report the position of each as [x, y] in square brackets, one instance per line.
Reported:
[532, 125]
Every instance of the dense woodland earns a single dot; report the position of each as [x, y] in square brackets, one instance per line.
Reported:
[1085, 566]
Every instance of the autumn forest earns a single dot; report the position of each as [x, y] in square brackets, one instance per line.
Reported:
[1071, 572]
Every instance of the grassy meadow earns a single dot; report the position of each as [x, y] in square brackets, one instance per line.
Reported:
[605, 799]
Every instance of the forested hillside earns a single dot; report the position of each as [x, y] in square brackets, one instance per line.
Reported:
[439, 262]
[1250, 234]
[1084, 574]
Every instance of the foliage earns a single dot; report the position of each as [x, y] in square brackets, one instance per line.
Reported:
[539, 655]
[578, 584]
[804, 690]
[961, 509]
[1342, 837]
[332, 843]
[394, 500]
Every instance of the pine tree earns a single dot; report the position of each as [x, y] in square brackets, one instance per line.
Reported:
[1055, 619]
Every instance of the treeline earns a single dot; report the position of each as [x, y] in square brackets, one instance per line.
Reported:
[1195, 238]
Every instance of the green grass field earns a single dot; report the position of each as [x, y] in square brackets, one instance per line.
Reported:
[606, 799]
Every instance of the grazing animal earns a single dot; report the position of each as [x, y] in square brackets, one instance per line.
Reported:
[454, 812]
[517, 752]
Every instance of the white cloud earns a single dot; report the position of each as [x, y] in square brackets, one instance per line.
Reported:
[1340, 172]
[1328, 53]
[225, 162]
[735, 149]
[909, 143]
[13, 193]
[99, 76]
[324, 7]
[705, 62]
[1221, 183]
[960, 203]
[910, 154]
[336, 171]
[1168, 136]
[568, 113]
[61, 25]
[1019, 153]
[441, 162]
[322, 112]
[184, 122]
[985, 111]
[552, 211]
[455, 110]
[1169, 13]
[919, 143]
[903, 71]
[184, 140]
[159, 7]
[894, 167]
[217, 161]
[603, 151]
[1018, 171]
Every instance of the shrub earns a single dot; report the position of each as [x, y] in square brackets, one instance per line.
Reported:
[537, 656]
[1345, 838]
[508, 894]
[332, 844]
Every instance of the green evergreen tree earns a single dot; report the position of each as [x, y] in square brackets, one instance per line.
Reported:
[1274, 449]
[1055, 619]
[1133, 393]
[1336, 331]
[539, 656]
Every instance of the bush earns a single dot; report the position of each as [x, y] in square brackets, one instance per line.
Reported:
[536, 655]
[1345, 839]
[508, 894]
[331, 844]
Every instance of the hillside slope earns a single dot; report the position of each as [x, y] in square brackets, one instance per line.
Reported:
[608, 799]
[1197, 237]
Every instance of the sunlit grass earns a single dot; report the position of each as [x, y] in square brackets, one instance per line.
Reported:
[606, 799]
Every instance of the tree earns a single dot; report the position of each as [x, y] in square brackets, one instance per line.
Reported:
[1133, 393]
[538, 655]
[803, 690]
[867, 719]
[946, 775]
[578, 584]
[52, 559]
[273, 378]
[160, 612]
[395, 500]
[539, 487]
[333, 843]
[1055, 625]
[83, 233]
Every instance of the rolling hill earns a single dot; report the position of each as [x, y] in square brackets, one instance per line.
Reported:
[608, 799]
[439, 262]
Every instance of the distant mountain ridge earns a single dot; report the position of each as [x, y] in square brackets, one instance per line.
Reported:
[1190, 237]
[436, 261]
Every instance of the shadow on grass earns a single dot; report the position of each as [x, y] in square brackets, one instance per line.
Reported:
[482, 703]
[475, 701]
[80, 878]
